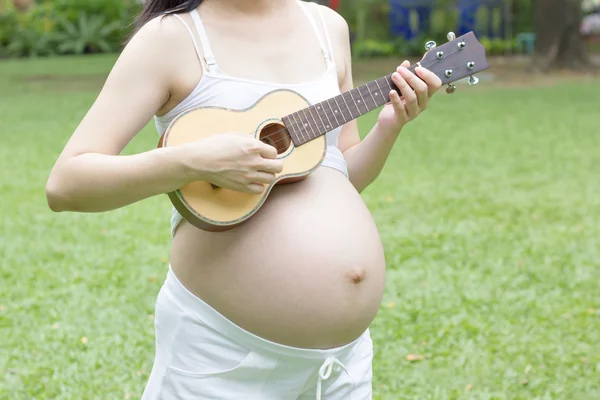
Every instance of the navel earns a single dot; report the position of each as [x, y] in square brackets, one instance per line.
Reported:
[356, 275]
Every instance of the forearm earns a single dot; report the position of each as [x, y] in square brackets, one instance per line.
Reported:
[367, 158]
[94, 182]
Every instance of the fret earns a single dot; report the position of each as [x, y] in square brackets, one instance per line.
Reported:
[334, 113]
[316, 119]
[307, 123]
[362, 107]
[325, 117]
[290, 128]
[322, 111]
[387, 82]
[298, 126]
[380, 93]
[352, 106]
[392, 84]
[342, 108]
[384, 92]
[375, 91]
[368, 97]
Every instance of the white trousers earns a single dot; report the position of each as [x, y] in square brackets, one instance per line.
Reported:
[201, 355]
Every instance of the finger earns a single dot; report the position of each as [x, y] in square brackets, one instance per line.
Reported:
[398, 105]
[271, 166]
[268, 151]
[410, 98]
[255, 188]
[405, 64]
[263, 177]
[420, 87]
[434, 83]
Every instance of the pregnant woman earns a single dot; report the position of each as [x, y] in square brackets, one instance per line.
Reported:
[279, 307]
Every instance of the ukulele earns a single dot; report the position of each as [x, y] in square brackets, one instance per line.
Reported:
[288, 122]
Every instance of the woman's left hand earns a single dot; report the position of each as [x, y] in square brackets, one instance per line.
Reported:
[415, 92]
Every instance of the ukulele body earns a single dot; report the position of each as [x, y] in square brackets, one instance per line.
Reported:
[216, 209]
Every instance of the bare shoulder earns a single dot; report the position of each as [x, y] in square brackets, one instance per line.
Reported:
[161, 57]
[336, 23]
[158, 42]
[339, 34]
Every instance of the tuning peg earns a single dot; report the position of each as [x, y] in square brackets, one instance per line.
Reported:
[450, 89]
[451, 36]
[430, 45]
[473, 80]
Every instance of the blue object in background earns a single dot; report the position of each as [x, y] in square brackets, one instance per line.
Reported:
[468, 10]
[400, 16]
[400, 11]
[400, 19]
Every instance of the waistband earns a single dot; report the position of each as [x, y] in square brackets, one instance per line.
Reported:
[335, 159]
[197, 308]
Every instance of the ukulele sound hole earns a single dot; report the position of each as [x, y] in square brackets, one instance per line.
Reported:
[277, 136]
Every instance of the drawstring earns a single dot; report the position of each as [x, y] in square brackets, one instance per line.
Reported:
[330, 364]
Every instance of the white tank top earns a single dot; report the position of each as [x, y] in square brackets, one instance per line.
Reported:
[219, 90]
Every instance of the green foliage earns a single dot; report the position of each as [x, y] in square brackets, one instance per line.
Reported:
[8, 25]
[30, 33]
[522, 16]
[367, 19]
[90, 34]
[66, 27]
[370, 48]
[497, 46]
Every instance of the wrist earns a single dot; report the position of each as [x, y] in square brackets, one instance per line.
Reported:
[391, 132]
[177, 160]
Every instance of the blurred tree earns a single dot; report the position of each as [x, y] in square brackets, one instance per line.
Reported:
[559, 43]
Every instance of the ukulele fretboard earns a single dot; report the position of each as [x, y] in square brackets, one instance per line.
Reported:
[318, 119]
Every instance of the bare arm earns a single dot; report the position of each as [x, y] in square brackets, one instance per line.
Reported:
[366, 158]
[90, 175]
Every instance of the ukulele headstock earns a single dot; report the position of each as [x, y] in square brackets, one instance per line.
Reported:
[459, 58]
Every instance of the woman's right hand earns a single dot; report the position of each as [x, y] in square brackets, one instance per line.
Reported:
[232, 161]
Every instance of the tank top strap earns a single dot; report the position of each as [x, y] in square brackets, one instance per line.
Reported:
[209, 57]
[323, 39]
[325, 33]
[192, 36]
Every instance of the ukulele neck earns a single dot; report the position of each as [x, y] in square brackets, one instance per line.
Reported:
[318, 119]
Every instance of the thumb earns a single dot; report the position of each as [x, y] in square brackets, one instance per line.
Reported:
[405, 64]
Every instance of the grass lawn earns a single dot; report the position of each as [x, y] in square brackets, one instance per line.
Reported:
[489, 209]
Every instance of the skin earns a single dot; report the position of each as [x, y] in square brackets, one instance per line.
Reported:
[330, 291]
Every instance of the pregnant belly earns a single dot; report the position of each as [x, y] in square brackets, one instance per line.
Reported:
[307, 270]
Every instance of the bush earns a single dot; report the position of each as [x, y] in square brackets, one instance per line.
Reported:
[497, 46]
[66, 27]
[372, 48]
[30, 33]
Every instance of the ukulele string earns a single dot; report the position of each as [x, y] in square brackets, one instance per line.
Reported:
[303, 126]
[350, 108]
[328, 116]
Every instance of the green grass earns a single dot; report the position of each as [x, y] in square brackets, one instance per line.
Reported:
[489, 209]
